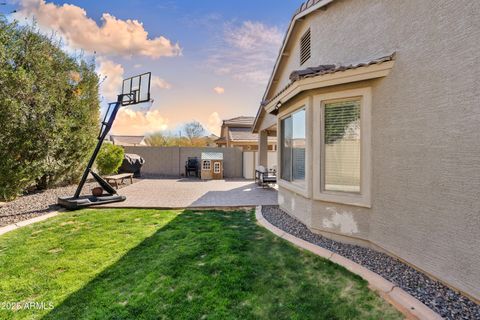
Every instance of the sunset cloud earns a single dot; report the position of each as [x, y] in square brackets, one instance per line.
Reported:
[113, 37]
[130, 122]
[247, 52]
[214, 123]
[160, 83]
[219, 90]
[111, 76]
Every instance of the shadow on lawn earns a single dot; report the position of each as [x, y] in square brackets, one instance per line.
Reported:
[216, 265]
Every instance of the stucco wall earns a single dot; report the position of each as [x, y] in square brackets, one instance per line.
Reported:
[425, 131]
[170, 161]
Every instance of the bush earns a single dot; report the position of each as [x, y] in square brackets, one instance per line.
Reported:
[49, 111]
[109, 158]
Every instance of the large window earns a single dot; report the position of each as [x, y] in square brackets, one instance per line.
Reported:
[342, 146]
[293, 147]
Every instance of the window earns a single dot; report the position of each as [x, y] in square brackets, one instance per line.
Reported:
[342, 146]
[293, 147]
[216, 167]
[206, 165]
[305, 47]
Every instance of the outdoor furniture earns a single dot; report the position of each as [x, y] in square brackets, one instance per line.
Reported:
[132, 163]
[191, 165]
[119, 178]
[264, 177]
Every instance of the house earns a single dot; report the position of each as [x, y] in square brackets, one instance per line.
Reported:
[210, 140]
[376, 106]
[131, 141]
[237, 132]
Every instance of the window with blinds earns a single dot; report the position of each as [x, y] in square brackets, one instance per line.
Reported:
[305, 47]
[342, 145]
[293, 147]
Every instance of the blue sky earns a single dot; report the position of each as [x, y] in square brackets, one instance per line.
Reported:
[211, 59]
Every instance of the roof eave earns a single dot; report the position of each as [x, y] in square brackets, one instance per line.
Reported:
[327, 80]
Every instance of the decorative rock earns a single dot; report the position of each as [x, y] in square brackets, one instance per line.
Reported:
[443, 300]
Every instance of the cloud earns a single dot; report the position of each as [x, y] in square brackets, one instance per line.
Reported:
[130, 122]
[113, 37]
[160, 83]
[111, 75]
[214, 123]
[219, 90]
[247, 52]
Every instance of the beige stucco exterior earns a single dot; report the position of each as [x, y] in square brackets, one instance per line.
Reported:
[424, 157]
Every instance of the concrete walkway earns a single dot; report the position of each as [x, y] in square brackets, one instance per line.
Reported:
[194, 193]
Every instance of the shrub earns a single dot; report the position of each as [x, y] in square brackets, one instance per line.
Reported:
[49, 111]
[109, 158]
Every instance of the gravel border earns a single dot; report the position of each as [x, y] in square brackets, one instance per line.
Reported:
[39, 203]
[443, 300]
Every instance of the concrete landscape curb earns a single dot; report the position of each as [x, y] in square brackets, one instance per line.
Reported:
[24, 223]
[400, 299]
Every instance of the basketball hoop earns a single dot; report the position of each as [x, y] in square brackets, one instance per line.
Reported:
[135, 90]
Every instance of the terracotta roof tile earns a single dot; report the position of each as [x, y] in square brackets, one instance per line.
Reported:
[326, 69]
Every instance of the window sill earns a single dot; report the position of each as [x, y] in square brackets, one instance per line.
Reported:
[358, 200]
[299, 188]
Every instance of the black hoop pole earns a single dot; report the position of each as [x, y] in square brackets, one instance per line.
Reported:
[107, 125]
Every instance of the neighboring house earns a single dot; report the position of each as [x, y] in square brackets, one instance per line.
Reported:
[131, 141]
[237, 132]
[378, 114]
[210, 140]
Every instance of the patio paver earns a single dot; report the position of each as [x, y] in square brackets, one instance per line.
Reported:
[194, 193]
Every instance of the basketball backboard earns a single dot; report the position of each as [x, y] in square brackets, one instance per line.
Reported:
[136, 89]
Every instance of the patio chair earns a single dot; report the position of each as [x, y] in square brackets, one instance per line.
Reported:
[191, 165]
[264, 177]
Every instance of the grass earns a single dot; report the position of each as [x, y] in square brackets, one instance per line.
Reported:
[152, 264]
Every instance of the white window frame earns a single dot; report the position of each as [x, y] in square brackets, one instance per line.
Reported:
[302, 188]
[209, 165]
[362, 199]
[215, 166]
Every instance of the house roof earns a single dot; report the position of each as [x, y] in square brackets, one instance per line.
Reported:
[117, 139]
[242, 134]
[239, 121]
[305, 8]
[326, 69]
[212, 156]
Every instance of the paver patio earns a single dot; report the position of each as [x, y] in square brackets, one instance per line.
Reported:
[194, 193]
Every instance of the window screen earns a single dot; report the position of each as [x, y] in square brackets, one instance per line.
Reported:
[342, 146]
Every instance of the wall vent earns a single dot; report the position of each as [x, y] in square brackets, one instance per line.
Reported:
[305, 47]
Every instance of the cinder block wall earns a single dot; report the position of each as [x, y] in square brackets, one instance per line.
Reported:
[170, 161]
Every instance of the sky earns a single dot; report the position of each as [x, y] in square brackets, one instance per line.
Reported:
[210, 60]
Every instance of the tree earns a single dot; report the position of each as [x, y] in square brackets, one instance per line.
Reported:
[49, 111]
[194, 132]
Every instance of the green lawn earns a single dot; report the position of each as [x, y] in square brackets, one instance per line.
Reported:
[153, 264]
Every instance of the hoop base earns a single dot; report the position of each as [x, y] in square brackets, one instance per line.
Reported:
[71, 203]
